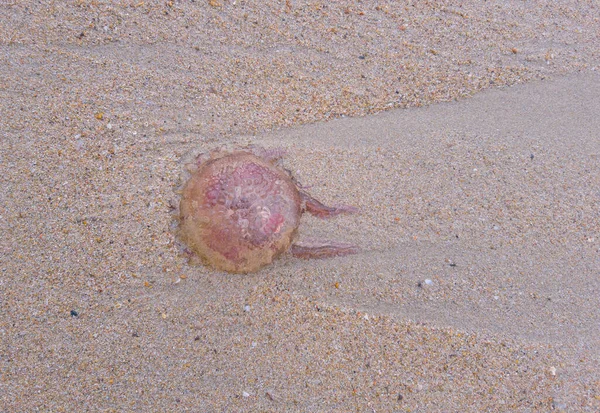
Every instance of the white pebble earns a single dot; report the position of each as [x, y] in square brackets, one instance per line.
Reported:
[246, 394]
[428, 281]
[246, 308]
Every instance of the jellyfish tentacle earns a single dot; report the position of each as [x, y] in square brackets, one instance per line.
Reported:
[320, 210]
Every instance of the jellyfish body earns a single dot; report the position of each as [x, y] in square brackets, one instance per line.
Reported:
[239, 211]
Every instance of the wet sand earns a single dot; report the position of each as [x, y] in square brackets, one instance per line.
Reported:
[467, 136]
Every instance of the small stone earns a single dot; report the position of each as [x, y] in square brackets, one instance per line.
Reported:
[245, 394]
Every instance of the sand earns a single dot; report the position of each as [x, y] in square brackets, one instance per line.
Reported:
[466, 133]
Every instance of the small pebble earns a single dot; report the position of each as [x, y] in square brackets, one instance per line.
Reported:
[428, 281]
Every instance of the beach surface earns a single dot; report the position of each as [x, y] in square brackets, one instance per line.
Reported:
[467, 134]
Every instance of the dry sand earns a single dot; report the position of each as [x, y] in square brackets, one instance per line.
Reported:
[478, 288]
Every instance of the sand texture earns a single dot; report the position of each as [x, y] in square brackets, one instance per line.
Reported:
[467, 133]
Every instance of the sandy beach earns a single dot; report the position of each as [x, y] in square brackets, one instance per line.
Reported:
[466, 133]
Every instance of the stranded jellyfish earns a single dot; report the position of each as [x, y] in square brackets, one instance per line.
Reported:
[239, 211]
